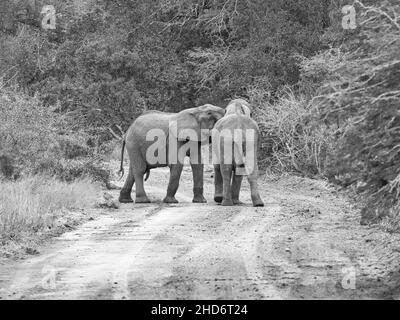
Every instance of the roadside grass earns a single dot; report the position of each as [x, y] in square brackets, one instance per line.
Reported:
[36, 205]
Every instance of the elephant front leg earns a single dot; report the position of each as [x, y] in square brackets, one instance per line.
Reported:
[226, 171]
[198, 182]
[218, 184]
[175, 175]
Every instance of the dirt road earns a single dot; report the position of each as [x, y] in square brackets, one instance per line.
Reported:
[306, 243]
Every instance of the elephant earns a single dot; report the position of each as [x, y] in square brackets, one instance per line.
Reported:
[231, 165]
[190, 128]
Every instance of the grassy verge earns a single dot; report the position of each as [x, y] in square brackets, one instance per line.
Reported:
[37, 206]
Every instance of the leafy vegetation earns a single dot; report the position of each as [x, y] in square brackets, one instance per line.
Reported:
[111, 60]
[360, 98]
[326, 97]
[35, 139]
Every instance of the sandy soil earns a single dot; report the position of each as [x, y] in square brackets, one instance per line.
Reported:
[306, 243]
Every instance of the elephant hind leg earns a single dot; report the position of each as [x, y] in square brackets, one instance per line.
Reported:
[141, 196]
[226, 171]
[218, 183]
[236, 184]
[125, 194]
[255, 195]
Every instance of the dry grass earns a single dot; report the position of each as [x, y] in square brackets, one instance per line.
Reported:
[32, 205]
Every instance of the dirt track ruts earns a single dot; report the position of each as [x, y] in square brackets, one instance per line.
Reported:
[189, 251]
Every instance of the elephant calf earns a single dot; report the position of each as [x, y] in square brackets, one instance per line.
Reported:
[236, 133]
[159, 139]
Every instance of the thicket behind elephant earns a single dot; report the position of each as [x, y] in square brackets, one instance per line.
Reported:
[7, 169]
[169, 128]
[236, 159]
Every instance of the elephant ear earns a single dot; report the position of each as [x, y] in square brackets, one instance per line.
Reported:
[185, 126]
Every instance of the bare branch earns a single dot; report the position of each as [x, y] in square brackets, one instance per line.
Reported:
[380, 12]
[116, 136]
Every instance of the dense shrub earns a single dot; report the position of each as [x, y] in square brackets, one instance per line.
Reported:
[342, 120]
[7, 169]
[293, 138]
[360, 97]
[35, 139]
[110, 60]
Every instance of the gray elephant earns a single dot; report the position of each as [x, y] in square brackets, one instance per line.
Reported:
[236, 147]
[186, 130]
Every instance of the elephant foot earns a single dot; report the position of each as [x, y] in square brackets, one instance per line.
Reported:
[227, 203]
[258, 203]
[199, 199]
[237, 202]
[218, 199]
[142, 199]
[169, 199]
[125, 198]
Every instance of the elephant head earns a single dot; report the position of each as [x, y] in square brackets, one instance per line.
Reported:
[238, 106]
[195, 124]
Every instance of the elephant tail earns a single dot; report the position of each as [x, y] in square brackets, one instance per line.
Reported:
[245, 163]
[121, 170]
[239, 160]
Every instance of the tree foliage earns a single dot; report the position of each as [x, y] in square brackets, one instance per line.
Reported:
[360, 97]
[109, 60]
